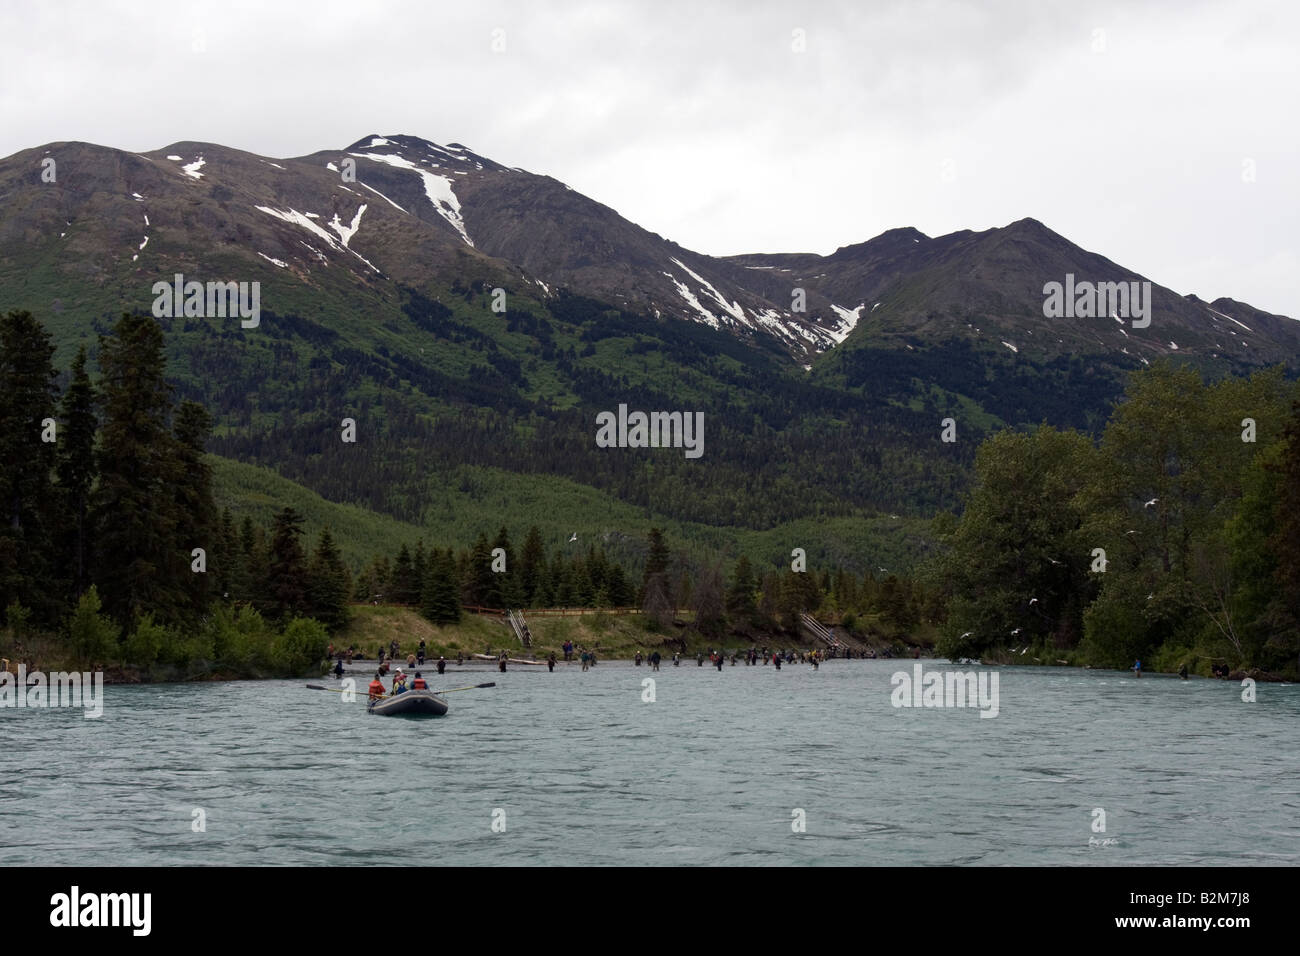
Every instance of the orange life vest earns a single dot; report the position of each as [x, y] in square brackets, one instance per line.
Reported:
[419, 684]
[376, 689]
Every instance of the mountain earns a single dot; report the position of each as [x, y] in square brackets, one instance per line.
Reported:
[377, 266]
[417, 212]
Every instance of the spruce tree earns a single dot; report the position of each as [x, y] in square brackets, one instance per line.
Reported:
[618, 587]
[507, 581]
[656, 591]
[76, 471]
[480, 585]
[197, 524]
[138, 562]
[440, 601]
[286, 568]
[403, 588]
[740, 596]
[27, 393]
[328, 584]
[532, 568]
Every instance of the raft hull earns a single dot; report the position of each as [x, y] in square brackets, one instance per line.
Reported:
[411, 703]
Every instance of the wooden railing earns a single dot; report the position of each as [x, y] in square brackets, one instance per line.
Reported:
[520, 627]
[820, 632]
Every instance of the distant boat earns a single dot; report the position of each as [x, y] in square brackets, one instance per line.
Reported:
[410, 703]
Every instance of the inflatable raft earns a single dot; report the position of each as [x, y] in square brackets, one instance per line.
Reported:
[410, 703]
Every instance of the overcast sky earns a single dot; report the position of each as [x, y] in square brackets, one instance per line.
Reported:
[1161, 135]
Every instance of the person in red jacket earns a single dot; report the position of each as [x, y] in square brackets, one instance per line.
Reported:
[376, 688]
[419, 683]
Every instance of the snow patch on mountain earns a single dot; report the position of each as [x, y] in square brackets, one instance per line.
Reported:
[848, 322]
[275, 262]
[1231, 319]
[269, 163]
[192, 169]
[1012, 347]
[437, 188]
[732, 308]
[175, 159]
[331, 167]
[347, 232]
[684, 291]
[296, 218]
[377, 141]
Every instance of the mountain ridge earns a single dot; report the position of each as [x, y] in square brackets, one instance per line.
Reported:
[417, 212]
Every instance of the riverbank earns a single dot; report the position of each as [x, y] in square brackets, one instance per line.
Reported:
[612, 637]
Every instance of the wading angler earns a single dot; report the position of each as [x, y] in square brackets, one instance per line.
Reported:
[60, 689]
[216, 300]
[651, 430]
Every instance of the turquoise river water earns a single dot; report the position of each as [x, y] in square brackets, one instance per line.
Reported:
[720, 768]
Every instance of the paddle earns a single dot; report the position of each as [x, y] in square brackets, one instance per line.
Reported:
[453, 690]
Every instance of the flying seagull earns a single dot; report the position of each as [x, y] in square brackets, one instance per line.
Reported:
[966, 635]
[574, 538]
[1053, 560]
[1151, 502]
[1015, 632]
[1130, 532]
[1033, 600]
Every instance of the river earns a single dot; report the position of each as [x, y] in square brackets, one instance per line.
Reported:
[720, 768]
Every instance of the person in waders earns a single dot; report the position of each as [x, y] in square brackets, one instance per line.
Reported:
[338, 668]
[550, 662]
[442, 664]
